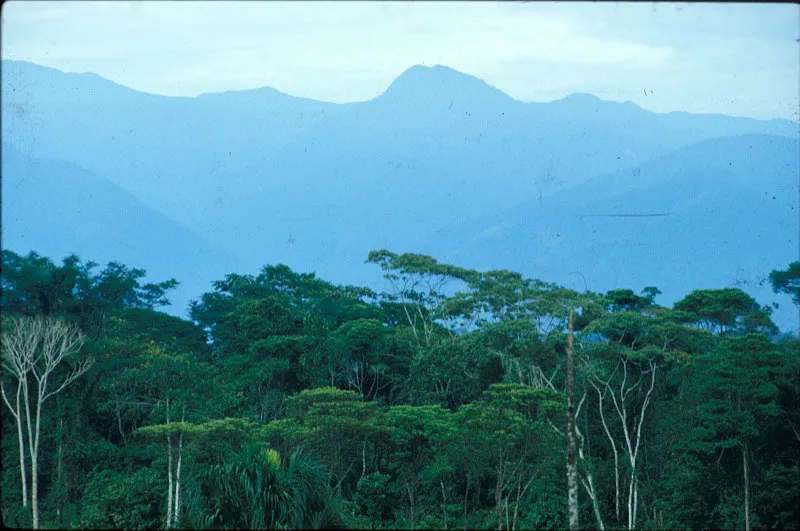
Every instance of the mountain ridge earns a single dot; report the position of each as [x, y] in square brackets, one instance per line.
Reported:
[266, 89]
[316, 185]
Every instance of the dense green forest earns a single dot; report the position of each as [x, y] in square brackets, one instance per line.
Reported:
[290, 402]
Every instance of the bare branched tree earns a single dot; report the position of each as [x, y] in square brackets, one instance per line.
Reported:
[33, 348]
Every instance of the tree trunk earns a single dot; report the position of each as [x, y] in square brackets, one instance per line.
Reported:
[169, 474]
[601, 396]
[22, 470]
[178, 474]
[572, 465]
[17, 414]
[498, 497]
[746, 488]
[34, 446]
[411, 502]
[60, 468]
[444, 503]
[595, 506]
[630, 503]
[35, 490]
[178, 481]
[588, 485]
[364, 459]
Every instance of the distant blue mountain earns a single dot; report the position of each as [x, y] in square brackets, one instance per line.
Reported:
[721, 213]
[317, 185]
[56, 208]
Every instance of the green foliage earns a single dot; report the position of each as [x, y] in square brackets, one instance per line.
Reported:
[725, 311]
[254, 490]
[123, 500]
[290, 402]
[787, 281]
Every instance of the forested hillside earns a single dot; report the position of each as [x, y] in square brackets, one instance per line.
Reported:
[287, 401]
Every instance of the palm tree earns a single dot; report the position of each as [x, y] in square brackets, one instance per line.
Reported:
[254, 491]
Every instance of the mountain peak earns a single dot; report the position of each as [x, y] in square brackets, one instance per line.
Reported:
[423, 72]
[421, 84]
[581, 97]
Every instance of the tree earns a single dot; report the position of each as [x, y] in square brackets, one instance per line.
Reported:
[34, 285]
[362, 350]
[788, 281]
[255, 491]
[506, 431]
[416, 436]
[164, 383]
[724, 311]
[736, 383]
[335, 424]
[418, 283]
[623, 372]
[33, 351]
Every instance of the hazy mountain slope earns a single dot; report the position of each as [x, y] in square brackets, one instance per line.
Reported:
[728, 214]
[56, 208]
[438, 147]
[317, 185]
[438, 144]
[178, 155]
[443, 143]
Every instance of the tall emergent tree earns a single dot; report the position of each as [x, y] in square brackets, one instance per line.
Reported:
[32, 351]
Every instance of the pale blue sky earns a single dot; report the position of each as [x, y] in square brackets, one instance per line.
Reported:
[738, 59]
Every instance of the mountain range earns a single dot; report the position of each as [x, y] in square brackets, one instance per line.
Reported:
[57, 208]
[440, 163]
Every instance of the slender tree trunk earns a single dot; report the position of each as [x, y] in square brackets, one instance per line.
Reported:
[17, 414]
[588, 485]
[169, 474]
[595, 505]
[178, 473]
[22, 471]
[35, 490]
[498, 498]
[60, 467]
[444, 503]
[33, 444]
[178, 481]
[616, 478]
[630, 503]
[601, 396]
[520, 495]
[364, 458]
[35, 461]
[29, 426]
[746, 487]
[572, 465]
[411, 502]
